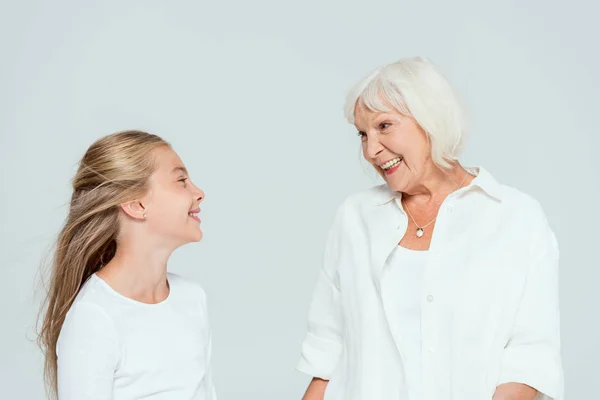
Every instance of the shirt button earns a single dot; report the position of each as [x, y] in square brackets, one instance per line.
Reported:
[430, 298]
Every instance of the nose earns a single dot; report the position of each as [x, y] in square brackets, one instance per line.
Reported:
[198, 194]
[373, 147]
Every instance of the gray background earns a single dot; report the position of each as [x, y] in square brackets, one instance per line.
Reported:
[250, 94]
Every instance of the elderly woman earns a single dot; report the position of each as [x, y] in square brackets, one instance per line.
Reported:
[441, 283]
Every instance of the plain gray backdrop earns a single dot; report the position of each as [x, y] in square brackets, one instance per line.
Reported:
[250, 94]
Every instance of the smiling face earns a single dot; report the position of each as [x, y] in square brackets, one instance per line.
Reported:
[395, 145]
[172, 203]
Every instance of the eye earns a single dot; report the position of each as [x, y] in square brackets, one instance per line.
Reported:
[362, 135]
[182, 180]
[384, 125]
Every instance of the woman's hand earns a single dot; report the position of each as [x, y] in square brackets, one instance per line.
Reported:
[514, 391]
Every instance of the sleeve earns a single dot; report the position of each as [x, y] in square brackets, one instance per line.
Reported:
[208, 388]
[323, 343]
[87, 351]
[532, 355]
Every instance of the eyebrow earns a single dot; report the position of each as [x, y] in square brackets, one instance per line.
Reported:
[385, 115]
[381, 117]
[180, 169]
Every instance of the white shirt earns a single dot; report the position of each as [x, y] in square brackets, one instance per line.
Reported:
[404, 278]
[113, 347]
[489, 309]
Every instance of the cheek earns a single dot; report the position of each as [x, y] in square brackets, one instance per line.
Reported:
[413, 146]
[396, 141]
[170, 206]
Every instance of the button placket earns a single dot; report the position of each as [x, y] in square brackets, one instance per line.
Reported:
[429, 332]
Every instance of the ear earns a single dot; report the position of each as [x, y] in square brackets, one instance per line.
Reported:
[134, 209]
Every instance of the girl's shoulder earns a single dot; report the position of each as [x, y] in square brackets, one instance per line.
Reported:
[186, 287]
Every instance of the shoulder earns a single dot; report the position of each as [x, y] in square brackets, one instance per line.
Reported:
[514, 204]
[373, 196]
[524, 206]
[94, 302]
[87, 323]
[527, 219]
[95, 298]
[187, 287]
[83, 312]
[360, 207]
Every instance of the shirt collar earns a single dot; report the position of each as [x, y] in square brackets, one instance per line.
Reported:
[483, 180]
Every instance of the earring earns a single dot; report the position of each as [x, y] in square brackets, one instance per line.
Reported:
[145, 216]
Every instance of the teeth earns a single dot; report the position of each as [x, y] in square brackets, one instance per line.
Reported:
[391, 163]
[193, 214]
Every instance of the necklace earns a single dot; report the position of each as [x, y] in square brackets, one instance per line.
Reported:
[421, 229]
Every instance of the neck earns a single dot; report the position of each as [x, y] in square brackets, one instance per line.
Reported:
[436, 184]
[138, 271]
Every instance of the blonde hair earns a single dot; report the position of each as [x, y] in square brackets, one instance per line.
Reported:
[115, 169]
[416, 88]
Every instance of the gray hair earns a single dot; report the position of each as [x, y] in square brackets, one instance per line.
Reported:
[414, 87]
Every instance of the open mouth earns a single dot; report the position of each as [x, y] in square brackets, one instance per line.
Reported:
[391, 166]
[194, 214]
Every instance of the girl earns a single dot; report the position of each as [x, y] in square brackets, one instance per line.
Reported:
[117, 325]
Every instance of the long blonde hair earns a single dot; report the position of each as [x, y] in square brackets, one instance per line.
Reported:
[115, 169]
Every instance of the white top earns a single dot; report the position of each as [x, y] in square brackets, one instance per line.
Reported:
[404, 273]
[489, 303]
[113, 347]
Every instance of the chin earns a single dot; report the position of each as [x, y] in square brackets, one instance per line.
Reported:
[197, 236]
[191, 238]
[396, 186]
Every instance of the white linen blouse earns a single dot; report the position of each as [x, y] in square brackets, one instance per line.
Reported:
[489, 309]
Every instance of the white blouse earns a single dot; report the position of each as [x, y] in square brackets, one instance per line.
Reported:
[404, 278]
[489, 304]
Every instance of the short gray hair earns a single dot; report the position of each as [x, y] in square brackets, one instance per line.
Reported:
[416, 88]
